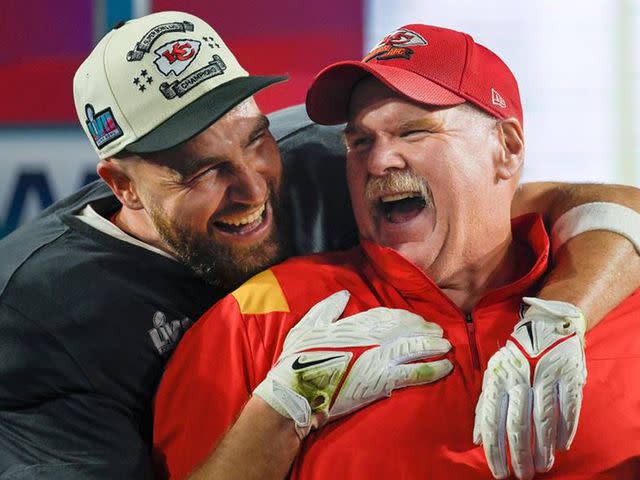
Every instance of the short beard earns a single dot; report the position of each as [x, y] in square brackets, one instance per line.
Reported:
[223, 266]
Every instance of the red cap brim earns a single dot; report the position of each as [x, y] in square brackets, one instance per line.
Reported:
[329, 95]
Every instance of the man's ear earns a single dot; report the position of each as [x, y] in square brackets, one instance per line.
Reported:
[511, 157]
[120, 181]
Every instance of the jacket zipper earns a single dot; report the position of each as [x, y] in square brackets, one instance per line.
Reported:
[473, 345]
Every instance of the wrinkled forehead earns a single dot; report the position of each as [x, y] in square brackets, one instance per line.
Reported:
[232, 129]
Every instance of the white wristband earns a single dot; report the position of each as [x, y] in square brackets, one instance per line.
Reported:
[597, 216]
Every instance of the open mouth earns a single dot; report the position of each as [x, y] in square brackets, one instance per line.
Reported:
[243, 224]
[402, 207]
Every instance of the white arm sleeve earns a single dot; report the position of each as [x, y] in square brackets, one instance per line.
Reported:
[596, 216]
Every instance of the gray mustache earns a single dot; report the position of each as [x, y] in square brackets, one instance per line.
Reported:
[398, 181]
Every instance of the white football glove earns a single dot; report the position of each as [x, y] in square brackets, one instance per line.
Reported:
[548, 344]
[330, 367]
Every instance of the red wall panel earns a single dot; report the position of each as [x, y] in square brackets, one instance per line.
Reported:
[44, 42]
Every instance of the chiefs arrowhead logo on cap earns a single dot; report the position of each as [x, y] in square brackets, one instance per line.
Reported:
[396, 45]
[176, 56]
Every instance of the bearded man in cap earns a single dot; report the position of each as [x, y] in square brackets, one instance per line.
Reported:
[435, 150]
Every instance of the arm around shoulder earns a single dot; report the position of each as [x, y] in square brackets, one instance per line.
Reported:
[594, 270]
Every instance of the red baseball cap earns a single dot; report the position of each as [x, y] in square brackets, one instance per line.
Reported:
[430, 65]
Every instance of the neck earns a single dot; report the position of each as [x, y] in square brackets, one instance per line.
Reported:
[496, 267]
[138, 224]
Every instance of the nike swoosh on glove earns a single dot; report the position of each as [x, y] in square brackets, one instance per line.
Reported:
[330, 367]
[532, 390]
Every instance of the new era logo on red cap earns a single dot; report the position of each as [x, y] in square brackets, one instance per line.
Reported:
[497, 99]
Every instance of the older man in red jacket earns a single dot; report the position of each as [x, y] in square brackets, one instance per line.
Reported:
[435, 152]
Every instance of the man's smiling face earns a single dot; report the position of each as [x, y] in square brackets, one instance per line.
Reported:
[215, 199]
[421, 178]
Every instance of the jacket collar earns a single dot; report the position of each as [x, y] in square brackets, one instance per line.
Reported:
[410, 281]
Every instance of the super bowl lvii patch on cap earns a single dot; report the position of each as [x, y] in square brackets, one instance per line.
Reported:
[102, 126]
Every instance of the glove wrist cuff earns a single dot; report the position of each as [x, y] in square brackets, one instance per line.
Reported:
[562, 312]
[546, 323]
[287, 403]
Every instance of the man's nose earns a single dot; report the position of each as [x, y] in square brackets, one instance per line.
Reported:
[249, 185]
[385, 155]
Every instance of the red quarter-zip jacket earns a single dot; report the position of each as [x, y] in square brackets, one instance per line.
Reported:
[422, 432]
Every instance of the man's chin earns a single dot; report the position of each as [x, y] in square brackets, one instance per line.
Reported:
[228, 266]
[222, 264]
[245, 262]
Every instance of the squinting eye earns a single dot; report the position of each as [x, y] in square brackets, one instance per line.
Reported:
[414, 133]
[205, 173]
[359, 143]
[208, 171]
[257, 138]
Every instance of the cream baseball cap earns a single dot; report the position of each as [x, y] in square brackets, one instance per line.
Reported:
[157, 81]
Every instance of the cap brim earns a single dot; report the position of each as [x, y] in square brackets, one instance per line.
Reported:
[201, 113]
[330, 93]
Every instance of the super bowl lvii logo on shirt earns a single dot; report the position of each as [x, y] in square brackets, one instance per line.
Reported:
[165, 333]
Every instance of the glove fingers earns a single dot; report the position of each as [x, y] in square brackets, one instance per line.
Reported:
[430, 328]
[545, 417]
[417, 326]
[398, 321]
[493, 428]
[487, 378]
[477, 434]
[519, 431]
[327, 310]
[570, 400]
[408, 349]
[323, 312]
[333, 307]
[407, 375]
